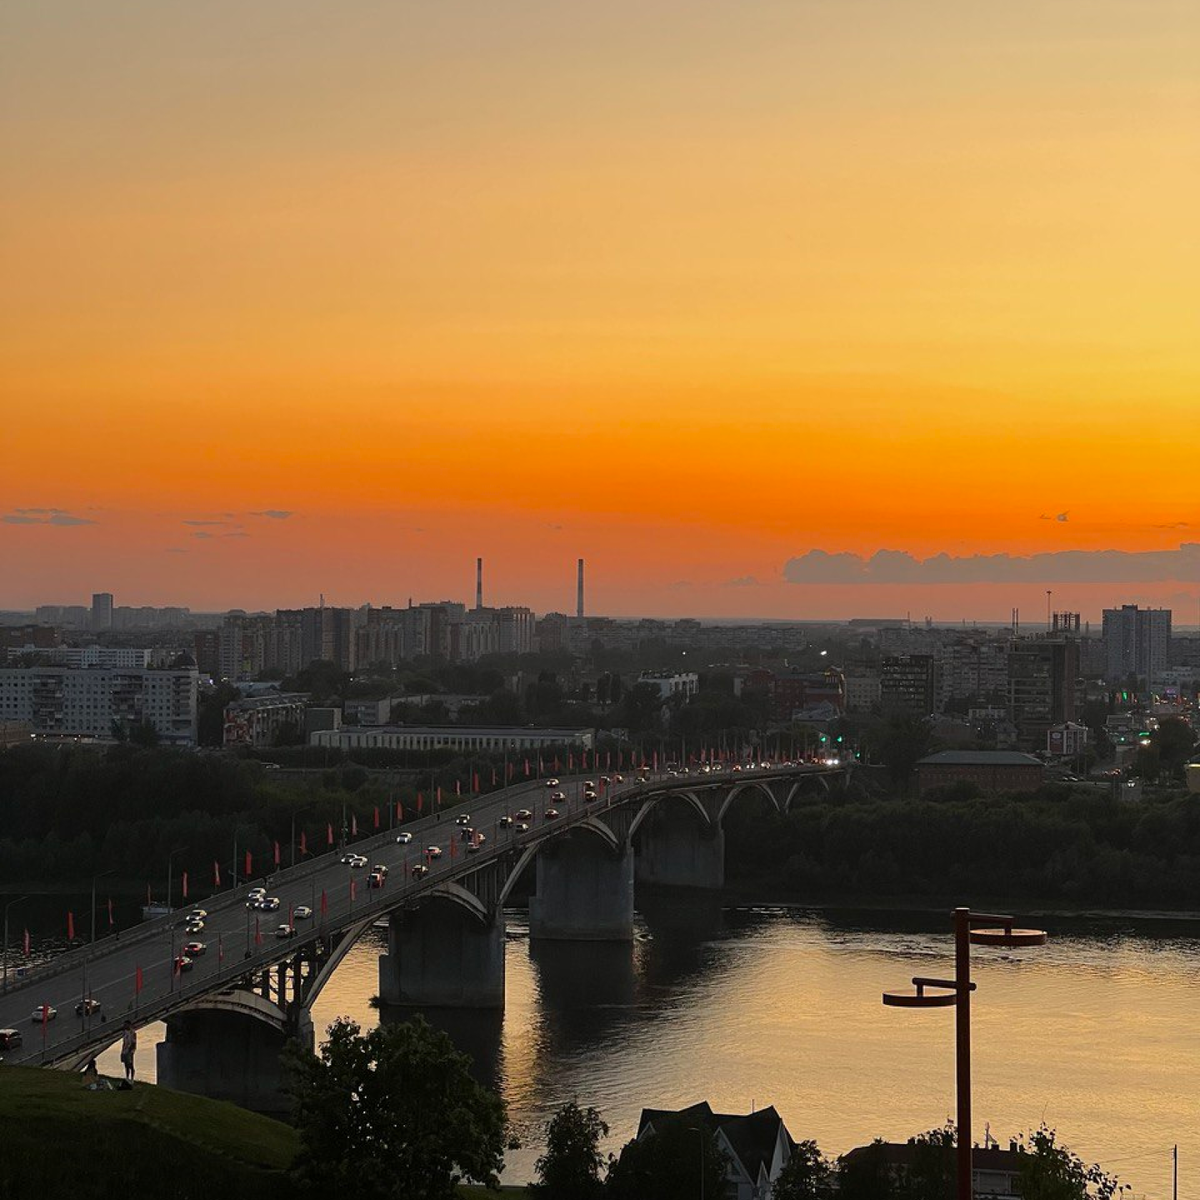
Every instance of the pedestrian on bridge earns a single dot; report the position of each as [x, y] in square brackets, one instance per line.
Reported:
[128, 1046]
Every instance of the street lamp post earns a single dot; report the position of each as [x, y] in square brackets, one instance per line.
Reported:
[956, 993]
[10, 904]
[94, 878]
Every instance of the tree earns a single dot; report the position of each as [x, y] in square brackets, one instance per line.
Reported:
[393, 1115]
[667, 1164]
[210, 723]
[806, 1175]
[570, 1168]
[931, 1173]
[1174, 741]
[906, 740]
[1052, 1172]
[865, 1174]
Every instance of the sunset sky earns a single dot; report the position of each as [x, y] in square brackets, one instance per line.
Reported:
[307, 297]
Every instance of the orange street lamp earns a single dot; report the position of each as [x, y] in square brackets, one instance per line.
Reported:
[956, 993]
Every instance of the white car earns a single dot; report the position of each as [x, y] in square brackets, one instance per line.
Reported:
[302, 913]
[45, 1012]
[558, 795]
[256, 894]
[358, 860]
[197, 914]
[285, 931]
[347, 859]
[552, 783]
[433, 852]
[402, 839]
[269, 904]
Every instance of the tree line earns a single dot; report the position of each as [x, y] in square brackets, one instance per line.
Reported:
[394, 1114]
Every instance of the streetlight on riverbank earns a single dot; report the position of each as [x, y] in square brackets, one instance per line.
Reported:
[956, 993]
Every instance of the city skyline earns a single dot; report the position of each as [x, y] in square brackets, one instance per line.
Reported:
[693, 293]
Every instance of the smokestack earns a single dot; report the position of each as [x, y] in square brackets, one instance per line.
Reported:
[479, 583]
[579, 592]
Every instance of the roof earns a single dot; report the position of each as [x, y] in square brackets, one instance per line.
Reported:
[902, 1154]
[979, 758]
[751, 1137]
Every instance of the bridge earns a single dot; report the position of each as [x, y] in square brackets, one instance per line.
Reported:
[229, 1015]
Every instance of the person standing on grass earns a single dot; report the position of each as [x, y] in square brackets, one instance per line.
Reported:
[128, 1046]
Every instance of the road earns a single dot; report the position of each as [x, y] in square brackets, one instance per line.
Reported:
[239, 940]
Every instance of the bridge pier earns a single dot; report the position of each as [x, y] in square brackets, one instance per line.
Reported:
[584, 891]
[442, 956]
[676, 850]
[228, 1056]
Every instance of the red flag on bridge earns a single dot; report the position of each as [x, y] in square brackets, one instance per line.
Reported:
[329, 833]
[477, 781]
[556, 766]
[453, 847]
[439, 796]
[353, 890]
[303, 844]
[527, 768]
[541, 763]
[493, 777]
[458, 787]
[148, 900]
[377, 816]
[508, 772]
[137, 980]
[249, 865]
[257, 933]
[399, 812]
[324, 902]
[353, 825]
[216, 874]
[70, 926]
[420, 802]
[220, 948]
[570, 761]
[110, 913]
[277, 856]
[185, 885]
[26, 943]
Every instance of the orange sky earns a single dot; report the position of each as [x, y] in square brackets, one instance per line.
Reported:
[687, 288]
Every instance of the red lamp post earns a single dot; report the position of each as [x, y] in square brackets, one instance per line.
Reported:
[956, 993]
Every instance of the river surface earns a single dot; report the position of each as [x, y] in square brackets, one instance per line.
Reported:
[1097, 1033]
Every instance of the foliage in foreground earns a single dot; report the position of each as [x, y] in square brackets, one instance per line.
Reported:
[570, 1169]
[394, 1114]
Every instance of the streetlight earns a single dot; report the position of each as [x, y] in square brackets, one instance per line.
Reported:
[19, 900]
[170, 864]
[956, 993]
[701, 1131]
[94, 878]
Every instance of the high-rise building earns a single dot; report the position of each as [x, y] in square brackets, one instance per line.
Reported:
[1042, 676]
[908, 684]
[1137, 642]
[102, 610]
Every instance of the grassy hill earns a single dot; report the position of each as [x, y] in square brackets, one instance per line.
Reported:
[59, 1139]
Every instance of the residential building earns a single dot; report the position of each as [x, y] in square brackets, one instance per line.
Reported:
[1066, 740]
[260, 720]
[90, 701]
[1137, 642]
[206, 649]
[757, 1145]
[1042, 678]
[908, 684]
[989, 770]
[862, 691]
[672, 684]
[376, 711]
[996, 1173]
[469, 738]
[102, 611]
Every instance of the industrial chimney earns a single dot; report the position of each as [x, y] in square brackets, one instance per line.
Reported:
[478, 583]
[579, 592]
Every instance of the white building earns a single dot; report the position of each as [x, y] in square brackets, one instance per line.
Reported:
[471, 738]
[96, 656]
[672, 683]
[88, 702]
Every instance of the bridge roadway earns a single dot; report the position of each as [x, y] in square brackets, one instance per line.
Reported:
[241, 942]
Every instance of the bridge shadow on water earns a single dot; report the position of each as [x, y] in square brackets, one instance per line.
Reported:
[477, 1032]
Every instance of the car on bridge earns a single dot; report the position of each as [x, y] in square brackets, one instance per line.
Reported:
[505, 821]
[419, 871]
[183, 963]
[522, 826]
[285, 931]
[197, 914]
[191, 926]
[258, 893]
[379, 869]
[195, 949]
[551, 814]
[433, 852]
[302, 913]
[375, 880]
[87, 1008]
[589, 795]
[269, 904]
[558, 795]
[465, 835]
[347, 859]
[463, 819]
[402, 839]
[552, 783]
[45, 1012]
[523, 814]
[10, 1039]
[474, 844]
[358, 860]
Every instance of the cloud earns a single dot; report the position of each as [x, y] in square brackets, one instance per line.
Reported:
[742, 581]
[202, 533]
[44, 516]
[1066, 566]
[1062, 516]
[680, 585]
[176, 550]
[205, 522]
[238, 533]
[276, 514]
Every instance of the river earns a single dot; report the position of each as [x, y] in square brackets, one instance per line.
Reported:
[1095, 1033]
